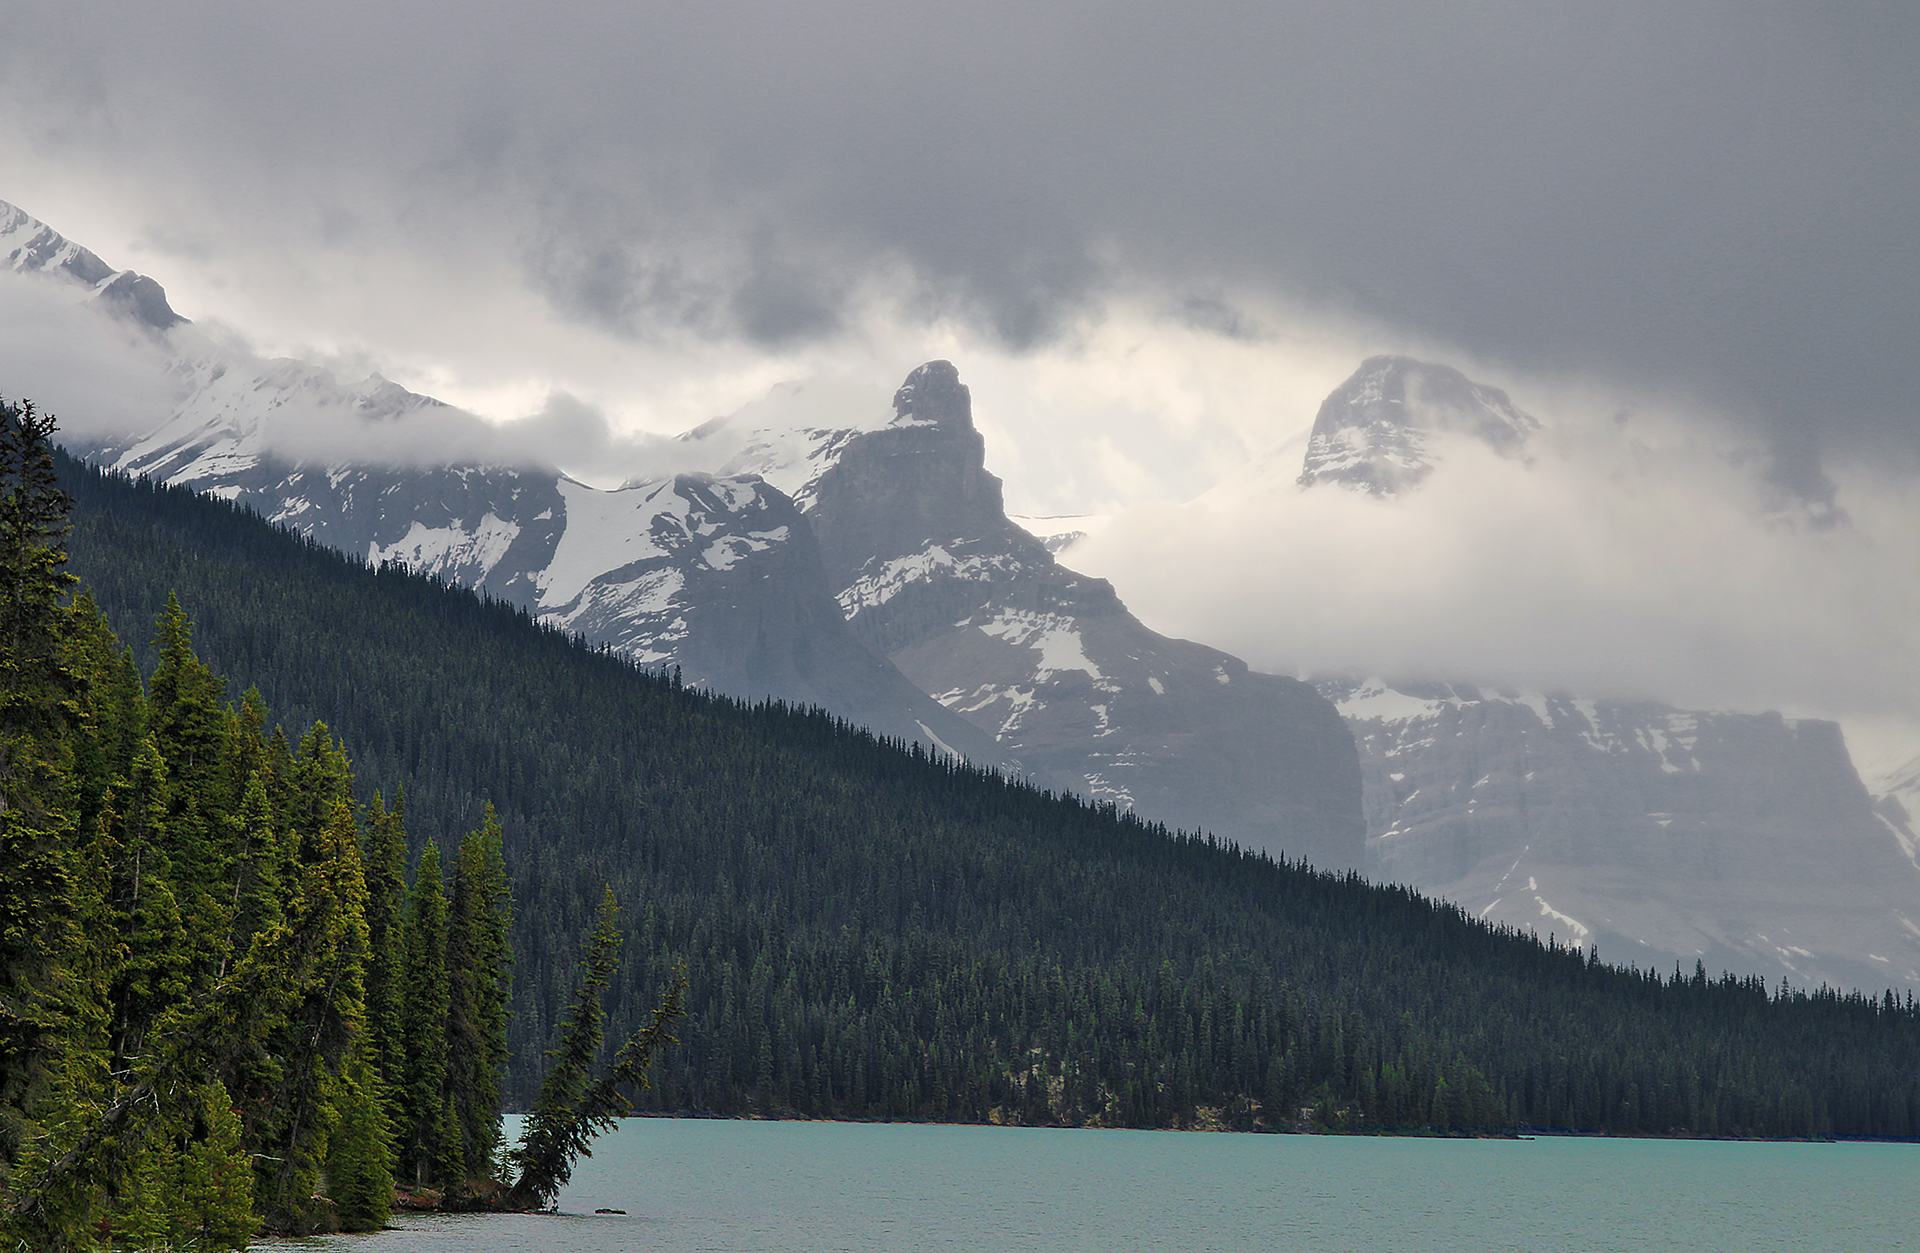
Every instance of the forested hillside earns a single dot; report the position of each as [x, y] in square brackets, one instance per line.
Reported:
[872, 934]
[217, 1010]
[223, 1005]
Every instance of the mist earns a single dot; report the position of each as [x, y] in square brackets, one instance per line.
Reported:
[1641, 556]
[1705, 198]
[1151, 241]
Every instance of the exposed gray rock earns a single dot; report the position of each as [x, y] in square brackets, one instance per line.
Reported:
[1379, 431]
[716, 575]
[979, 614]
[1745, 841]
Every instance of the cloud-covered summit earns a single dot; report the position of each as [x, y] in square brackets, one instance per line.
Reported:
[1378, 430]
[1706, 198]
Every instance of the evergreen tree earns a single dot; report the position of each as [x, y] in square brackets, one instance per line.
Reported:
[360, 1156]
[479, 967]
[326, 909]
[573, 1108]
[386, 862]
[214, 1193]
[37, 712]
[192, 729]
[424, 1023]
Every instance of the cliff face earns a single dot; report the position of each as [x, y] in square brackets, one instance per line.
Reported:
[866, 566]
[718, 575]
[979, 615]
[1742, 840]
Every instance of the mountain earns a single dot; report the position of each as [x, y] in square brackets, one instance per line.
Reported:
[30, 246]
[1896, 804]
[870, 933]
[1746, 841]
[831, 553]
[1385, 428]
[717, 576]
[714, 575]
[979, 614]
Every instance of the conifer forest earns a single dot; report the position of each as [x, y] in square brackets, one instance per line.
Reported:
[226, 1006]
[309, 869]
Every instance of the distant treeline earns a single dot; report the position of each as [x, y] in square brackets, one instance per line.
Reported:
[873, 934]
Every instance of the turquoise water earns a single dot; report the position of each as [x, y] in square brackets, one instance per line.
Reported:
[797, 1187]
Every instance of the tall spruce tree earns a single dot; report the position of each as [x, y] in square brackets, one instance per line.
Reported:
[360, 1156]
[423, 1010]
[185, 946]
[327, 909]
[37, 713]
[573, 1107]
[386, 862]
[479, 967]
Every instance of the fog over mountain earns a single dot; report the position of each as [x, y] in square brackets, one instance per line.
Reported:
[1153, 242]
[1707, 198]
[1526, 583]
[1632, 555]
[1634, 552]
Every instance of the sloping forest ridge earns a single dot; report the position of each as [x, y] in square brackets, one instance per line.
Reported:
[871, 934]
[868, 933]
[222, 1006]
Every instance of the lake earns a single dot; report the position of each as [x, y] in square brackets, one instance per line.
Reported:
[694, 1184]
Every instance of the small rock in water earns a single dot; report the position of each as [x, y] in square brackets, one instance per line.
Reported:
[604, 1210]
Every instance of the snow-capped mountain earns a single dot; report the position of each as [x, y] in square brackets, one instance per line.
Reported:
[714, 574]
[977, 613]
[30, 246]
[1383, 430]
[1896, 803]
[717, 575]
[1746, 841]
[857, 555]
[857, 558]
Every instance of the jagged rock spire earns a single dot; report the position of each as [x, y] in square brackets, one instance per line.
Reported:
[934, 393]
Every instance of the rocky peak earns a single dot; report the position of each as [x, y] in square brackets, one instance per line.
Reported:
[921, 478]
[934, 394]
[1378, 431]
[30, 246]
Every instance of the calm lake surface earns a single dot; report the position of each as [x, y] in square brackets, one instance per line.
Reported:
[797, 1186]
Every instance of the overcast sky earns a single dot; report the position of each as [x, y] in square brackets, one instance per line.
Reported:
[1151, 237]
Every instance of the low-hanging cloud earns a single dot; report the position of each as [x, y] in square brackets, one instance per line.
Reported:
[1707, 196]
[1622, 557]
[109, 382]
[95, 374]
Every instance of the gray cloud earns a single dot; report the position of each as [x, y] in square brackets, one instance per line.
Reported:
[96, 375]
[1714, 197]
[1634, 560]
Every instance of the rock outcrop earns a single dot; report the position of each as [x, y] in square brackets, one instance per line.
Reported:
[977, 613]
[1381, 431]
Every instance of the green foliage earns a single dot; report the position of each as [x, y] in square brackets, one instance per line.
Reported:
[360, 1158]
[191, 1183]
[424, 1023]
[479, 971]
[386, 867]
[184, 941]
[879, 935]
[554, 1136]
[573, 1107]
[37, 712]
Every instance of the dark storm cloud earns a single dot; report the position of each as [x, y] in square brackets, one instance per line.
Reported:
[1714, 197]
